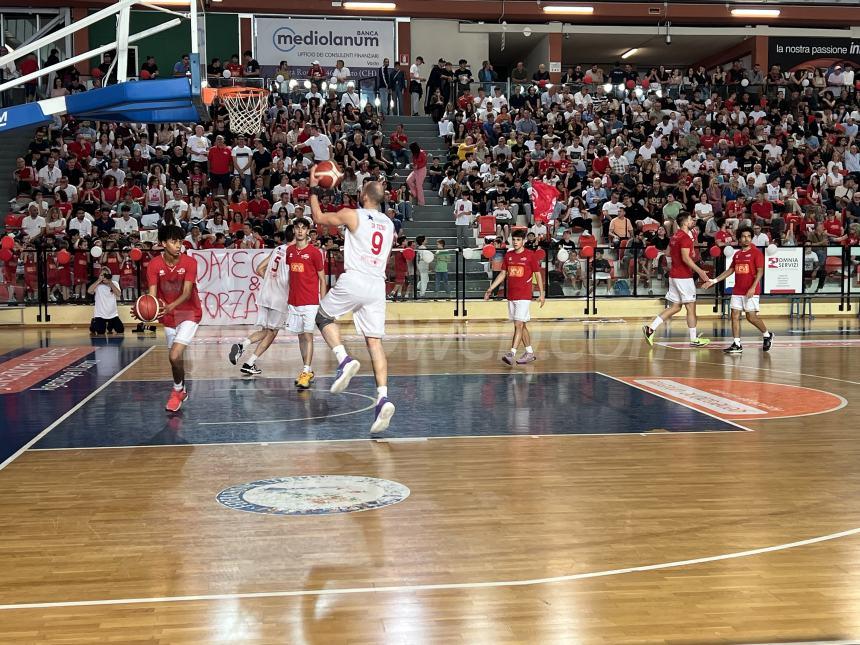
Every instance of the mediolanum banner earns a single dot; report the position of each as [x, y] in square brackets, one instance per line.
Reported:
[360, 44]
[793, 53]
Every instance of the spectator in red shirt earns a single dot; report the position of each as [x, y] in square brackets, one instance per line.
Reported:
[601, 163]
[762, 209]
[28, 66]
[397, 143]
[519, 265]
[833, 227]
[259, 206]
[220, 164]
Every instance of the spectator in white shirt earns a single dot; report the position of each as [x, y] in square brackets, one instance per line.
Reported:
[242, 161]
[282, 188]
[116, 172]
[178, 205]
[105, 315]
[125, 224]
[319, 144]
[463, 219]
[80, 223]
[34, 224]
[350, 97]
[198, 147]
[49, 175]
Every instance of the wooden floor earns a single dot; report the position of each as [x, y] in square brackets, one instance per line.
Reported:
[558, 538]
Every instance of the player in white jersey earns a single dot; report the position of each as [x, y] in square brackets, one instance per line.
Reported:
[368, 238]
[272, 306]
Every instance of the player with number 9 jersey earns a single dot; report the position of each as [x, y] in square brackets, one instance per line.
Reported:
[366, 250]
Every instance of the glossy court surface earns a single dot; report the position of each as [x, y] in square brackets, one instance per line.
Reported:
[608, 493]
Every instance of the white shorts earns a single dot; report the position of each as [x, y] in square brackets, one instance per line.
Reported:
[362, 295]
[268, 318]
[183, 333]
[302, 320]
[681, 290]
[742, 303]
[519, 310]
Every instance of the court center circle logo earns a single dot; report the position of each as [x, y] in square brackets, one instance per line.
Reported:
[313, 495]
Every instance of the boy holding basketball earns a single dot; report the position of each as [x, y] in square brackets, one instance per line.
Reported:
[748, 267]
[171, 277]
[518, 267]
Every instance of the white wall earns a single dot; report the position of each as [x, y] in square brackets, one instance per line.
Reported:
[435, 39]
[539, 54]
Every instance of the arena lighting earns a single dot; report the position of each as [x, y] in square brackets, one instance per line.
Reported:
[756, 13]
[629, 53]
[370, 6]
[568, 9]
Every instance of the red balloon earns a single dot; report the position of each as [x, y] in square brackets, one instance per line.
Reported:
[587, 251]
[488, 251]
[8, 242]
[63, 256]
[409, 254]
[587, 79]
[857, 84]
[95, 72]
[144, 75]
[135, 254]
[646, 84]
[651, 252]
[5, 255]
[540, 254]
[630, 84]
[715, 251]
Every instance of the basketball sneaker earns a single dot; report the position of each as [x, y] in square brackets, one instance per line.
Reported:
[767, 342]
[700, 341]
[734, 348]
[235, 353]
[649, 334]
[384, 412]
[304, 381]
[345, 371]
[508, 359]
[250, 369]
[528, 357]
[177, 397]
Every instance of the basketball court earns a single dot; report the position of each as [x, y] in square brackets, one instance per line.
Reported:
[608, 493]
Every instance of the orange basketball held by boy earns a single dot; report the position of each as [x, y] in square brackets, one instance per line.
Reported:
[328, 174]
[148, 308]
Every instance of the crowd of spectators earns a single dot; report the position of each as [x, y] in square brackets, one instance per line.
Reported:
[627, 151]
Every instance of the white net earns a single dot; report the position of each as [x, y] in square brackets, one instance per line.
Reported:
[246, 108]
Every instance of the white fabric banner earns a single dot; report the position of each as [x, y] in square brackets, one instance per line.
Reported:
[358, 43]
[228, 285]
[783, 272]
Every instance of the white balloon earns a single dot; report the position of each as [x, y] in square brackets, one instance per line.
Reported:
[427, 256]
[96, 251]
[563, 255]
[469, 254]
[805, 82]
[771, 249]
[279, 78]
[745, 82]
[226, 73]
[527, 32]
[728, 251]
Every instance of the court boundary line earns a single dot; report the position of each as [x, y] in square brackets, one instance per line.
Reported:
[327, 416]
[71, 411]
[395, 439]
[526, 582]
[685, 405]
[512, 370]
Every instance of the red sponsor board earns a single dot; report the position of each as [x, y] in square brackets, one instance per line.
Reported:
[23, 372]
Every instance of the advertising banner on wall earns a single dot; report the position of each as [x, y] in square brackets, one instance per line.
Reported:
[783, 272]
[795, 53]
[360, 44]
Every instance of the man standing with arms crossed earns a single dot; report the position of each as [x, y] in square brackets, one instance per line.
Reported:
[368, 238]
[682, 285]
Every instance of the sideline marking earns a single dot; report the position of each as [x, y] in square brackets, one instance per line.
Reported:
[441, 586]
[77, 407]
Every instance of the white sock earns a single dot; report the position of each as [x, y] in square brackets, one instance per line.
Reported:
[692, 334]
[513, 350]
[179, 386]
[766, 334]
[381, 392]
[244, 343]
[339, 353]
[307, 368]
[252, 360]
[657, 322]
[737, 341]
[529, 350]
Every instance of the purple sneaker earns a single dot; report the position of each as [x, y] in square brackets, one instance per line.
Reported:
[345, 371]
[528, 357]
[384, 412]
[508, 358]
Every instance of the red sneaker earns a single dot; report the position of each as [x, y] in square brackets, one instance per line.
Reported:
[175, 401]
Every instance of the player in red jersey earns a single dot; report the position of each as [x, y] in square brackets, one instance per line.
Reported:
[171, 277]
[519, 265]
[307, 286]
[682, 285]
[748, 266]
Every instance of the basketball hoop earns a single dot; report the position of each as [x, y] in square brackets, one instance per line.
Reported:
[246, 107]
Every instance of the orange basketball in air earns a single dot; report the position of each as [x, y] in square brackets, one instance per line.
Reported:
[328, 174]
